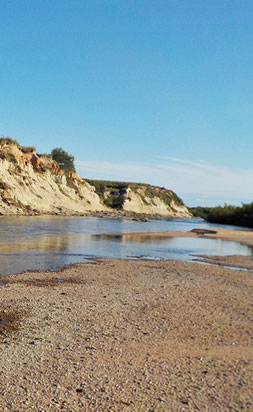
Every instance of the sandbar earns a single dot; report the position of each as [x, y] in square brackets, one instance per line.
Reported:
[245, 237]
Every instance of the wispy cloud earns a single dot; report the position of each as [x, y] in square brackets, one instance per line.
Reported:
[195, 182]
[182, 161]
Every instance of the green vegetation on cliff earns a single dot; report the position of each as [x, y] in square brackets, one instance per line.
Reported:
[8, 156]
[64, 159]
[113, 193]
[227, 214]
[7, 141]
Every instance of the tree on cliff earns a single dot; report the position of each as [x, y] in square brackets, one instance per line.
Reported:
[65, 160]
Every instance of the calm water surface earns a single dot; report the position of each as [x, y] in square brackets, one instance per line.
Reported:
[48, 242]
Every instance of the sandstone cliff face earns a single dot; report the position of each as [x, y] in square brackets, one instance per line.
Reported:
[30, 184]
[35, 184]
[140, 202]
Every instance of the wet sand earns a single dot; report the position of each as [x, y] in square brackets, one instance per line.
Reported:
[123, 335]
[240, 262]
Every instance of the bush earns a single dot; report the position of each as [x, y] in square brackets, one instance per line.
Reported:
[227, 214]
[8, 140]
[65, 160]
[8, 156]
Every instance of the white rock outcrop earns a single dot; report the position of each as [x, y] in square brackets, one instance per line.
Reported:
[25, 191]
[139, 202]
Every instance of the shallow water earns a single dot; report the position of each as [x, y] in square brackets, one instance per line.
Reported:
[49, 242]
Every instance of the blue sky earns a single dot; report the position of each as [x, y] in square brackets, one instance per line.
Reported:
[158, 91]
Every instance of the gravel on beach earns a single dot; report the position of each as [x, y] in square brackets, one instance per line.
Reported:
[125, 335]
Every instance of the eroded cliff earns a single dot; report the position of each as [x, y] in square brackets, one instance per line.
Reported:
[35, 184]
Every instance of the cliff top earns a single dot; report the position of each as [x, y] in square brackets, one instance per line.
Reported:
[12, 151]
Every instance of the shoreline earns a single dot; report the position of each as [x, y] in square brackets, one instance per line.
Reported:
[109, 214]
[125, 335]
[233, 261]
[241, 236]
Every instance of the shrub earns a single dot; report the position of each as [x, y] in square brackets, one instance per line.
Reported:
[7, 140]
[8, 156]
[227, 214]
[64, 159]
[71, 184]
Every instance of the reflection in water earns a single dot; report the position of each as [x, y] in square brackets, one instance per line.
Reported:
[45, 243]
[29, 243]
[136, 238]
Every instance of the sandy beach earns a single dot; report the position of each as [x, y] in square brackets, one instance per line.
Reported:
[127, 336]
